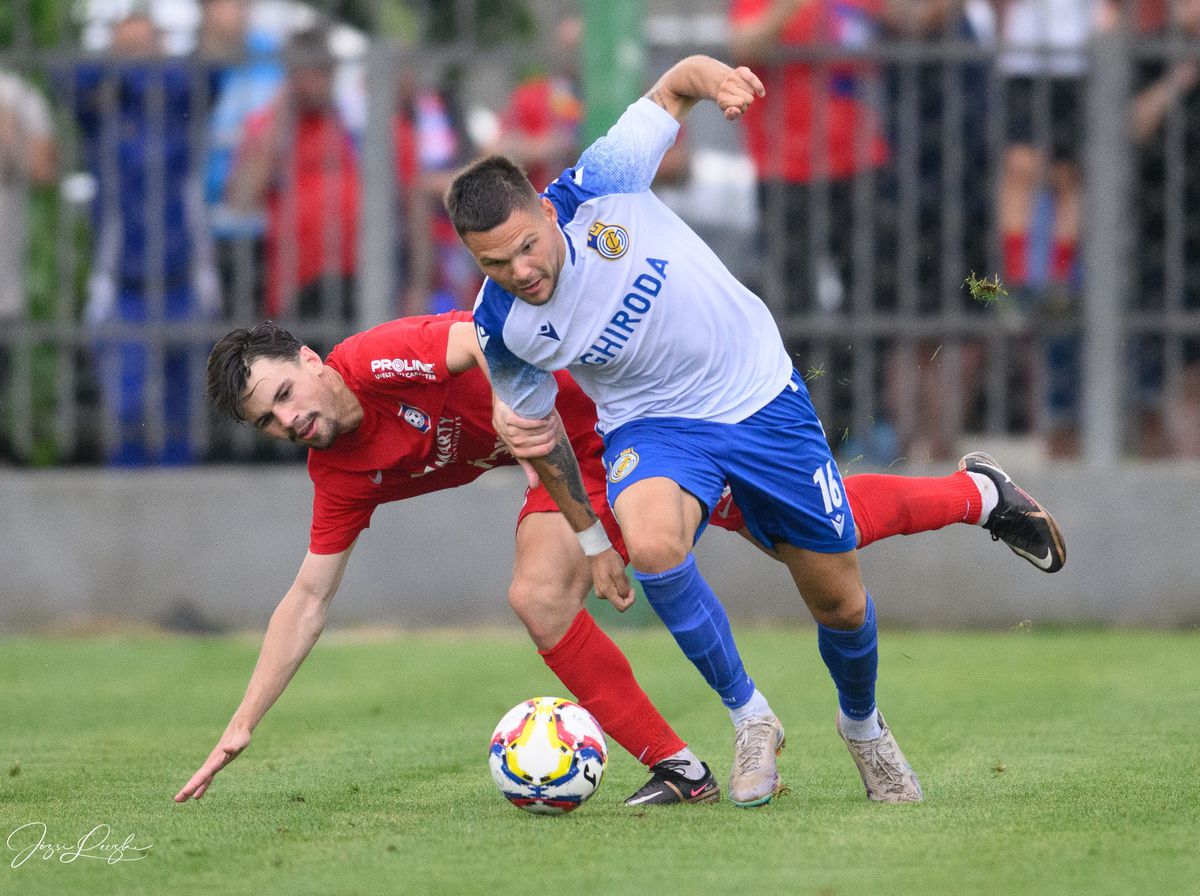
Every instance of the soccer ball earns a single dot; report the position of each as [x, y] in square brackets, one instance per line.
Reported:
[547, 755]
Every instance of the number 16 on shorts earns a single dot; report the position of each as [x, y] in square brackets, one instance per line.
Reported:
[830, 484]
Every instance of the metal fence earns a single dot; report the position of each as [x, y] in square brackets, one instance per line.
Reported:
[1067, 189]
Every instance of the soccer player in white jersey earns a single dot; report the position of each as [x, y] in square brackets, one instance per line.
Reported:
[694, 389]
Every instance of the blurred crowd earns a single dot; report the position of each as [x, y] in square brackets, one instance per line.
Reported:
[225, 184]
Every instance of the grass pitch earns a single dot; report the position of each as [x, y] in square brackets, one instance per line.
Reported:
[1053, 763]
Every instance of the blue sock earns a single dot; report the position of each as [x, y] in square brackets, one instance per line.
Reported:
[694, 615]
[853, 662]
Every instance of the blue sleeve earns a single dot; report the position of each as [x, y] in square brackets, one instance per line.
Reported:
[528, 390]
[624, 160]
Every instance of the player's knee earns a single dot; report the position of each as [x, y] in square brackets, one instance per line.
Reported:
[844, 610]
[656, 554]
[544, 609]
[527, 599]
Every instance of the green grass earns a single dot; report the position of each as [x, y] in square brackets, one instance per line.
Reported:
[1053, 763]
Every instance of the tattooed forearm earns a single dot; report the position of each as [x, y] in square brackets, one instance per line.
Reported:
[560, 473]
[657, 97]
[566, 470]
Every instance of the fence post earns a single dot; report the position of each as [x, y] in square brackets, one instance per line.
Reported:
[377, 231]
[613, 58]
[1106, 247]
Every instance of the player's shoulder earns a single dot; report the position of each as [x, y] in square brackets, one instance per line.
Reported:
[623, 161]
[568, 193]
[580, 193]
[493, 306]
[492, 295]
[406, 349]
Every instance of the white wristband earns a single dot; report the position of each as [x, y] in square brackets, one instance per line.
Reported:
[594, 539]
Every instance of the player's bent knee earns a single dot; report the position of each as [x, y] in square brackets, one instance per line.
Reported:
[546, 611]
[841, 614]
[655, 555]
[839, 605]
[830, 585]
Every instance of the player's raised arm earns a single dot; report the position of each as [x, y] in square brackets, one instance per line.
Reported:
[704, 78]
[294, 628]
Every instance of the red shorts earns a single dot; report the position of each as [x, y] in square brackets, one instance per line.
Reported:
[589, 448]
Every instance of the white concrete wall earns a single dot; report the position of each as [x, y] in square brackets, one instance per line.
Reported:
[85, 544]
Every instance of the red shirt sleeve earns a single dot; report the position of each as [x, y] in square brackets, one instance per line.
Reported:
[341, 511]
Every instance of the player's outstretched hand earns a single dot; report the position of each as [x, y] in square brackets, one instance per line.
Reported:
[523, 436]
[739, 89]
[608, 578]
[228, 748]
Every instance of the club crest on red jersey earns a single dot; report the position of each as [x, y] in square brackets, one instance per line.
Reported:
[414, 417]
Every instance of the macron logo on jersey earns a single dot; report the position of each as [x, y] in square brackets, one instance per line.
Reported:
[547, 330]
[389, 368]
[634, 306]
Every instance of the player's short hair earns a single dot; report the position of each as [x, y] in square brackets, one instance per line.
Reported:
[486, 192]
[229, 362]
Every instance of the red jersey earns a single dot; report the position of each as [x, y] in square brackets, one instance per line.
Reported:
[312, 207]
[423, 429]
[782, 128]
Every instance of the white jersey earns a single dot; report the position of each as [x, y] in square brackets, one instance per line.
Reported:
[645, 316]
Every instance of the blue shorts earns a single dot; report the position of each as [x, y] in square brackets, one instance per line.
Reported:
[777, 464]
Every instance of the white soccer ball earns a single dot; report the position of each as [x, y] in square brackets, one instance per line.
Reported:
[547, 755]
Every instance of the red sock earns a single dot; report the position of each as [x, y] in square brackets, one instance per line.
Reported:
[1015, 248]
[1062, 260]
[593, 669]
[884, 506]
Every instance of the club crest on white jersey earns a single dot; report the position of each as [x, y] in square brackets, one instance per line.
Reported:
[610, 241]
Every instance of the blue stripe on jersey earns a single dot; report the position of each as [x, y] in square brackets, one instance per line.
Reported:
[526, 389]
[566, 196]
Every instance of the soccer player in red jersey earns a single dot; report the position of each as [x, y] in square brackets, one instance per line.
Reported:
[404, 409]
